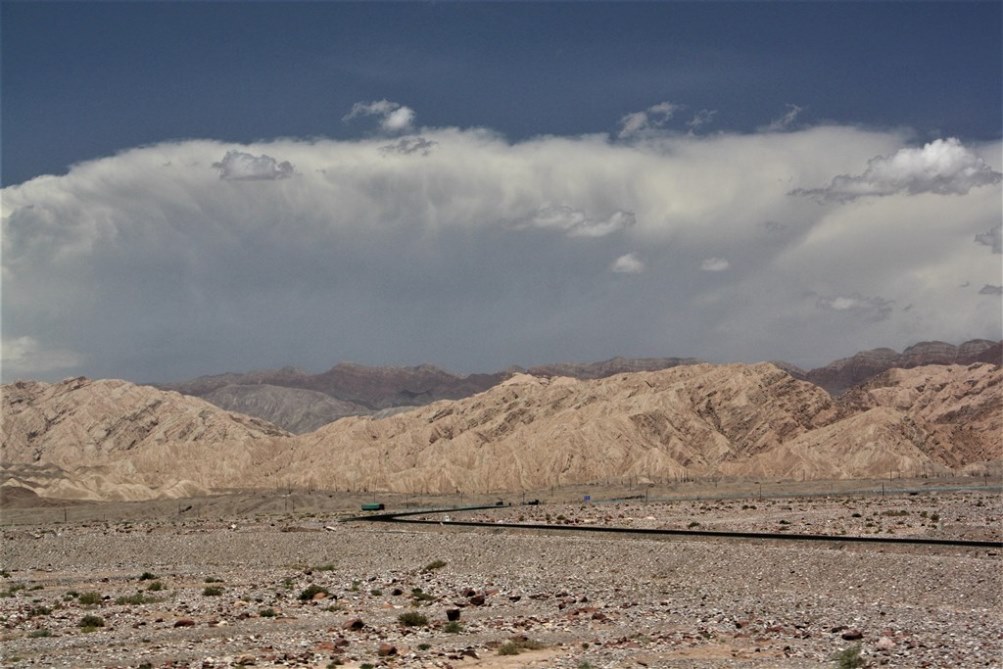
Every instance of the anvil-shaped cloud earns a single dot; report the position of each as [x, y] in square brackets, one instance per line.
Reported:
[461, 248]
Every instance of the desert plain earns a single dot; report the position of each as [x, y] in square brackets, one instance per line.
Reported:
[281, 579]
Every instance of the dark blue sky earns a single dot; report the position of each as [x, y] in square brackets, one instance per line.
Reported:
[84, 80]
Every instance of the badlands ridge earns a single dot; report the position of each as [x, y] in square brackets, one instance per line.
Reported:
[107, 439]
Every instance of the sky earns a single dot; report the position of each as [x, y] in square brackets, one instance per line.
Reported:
[195, 188]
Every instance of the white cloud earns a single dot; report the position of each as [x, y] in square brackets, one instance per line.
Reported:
[786, 120]
[26, 357]
[715, 265]
[577, 223]
[652, 118]
[857, 305]
[627, 264]
[701, 118]
[394, 117]
[485, 253]
[242, 166]
[943, 166]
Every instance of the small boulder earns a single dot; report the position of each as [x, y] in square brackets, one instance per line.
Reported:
[852, 635]
[386, 650]
[452, 615]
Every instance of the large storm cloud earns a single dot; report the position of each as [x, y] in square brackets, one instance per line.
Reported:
[461, 248]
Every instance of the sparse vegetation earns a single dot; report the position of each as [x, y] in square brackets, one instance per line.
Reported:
[312, 591]
[156, 586]
[89, 598]
[137, 599]
[147, 576]
[90, 623]
[9, 592]
[267, 613]
[418, 596]
[453, 627]
[212, 591]
[518, 645]
[412, 619]
[850, 658]
[435, 564]
[39, 634]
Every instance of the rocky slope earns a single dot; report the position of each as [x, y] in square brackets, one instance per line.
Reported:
[692, 421]
[293, 398]
[295, 409]
[604, 368]
[111, 438]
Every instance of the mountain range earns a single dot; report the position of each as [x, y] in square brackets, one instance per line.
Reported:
[301, 402]
[108, 439]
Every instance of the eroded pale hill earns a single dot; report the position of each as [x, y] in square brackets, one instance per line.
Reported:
[532, 432]
[960, 407]
[112, 439]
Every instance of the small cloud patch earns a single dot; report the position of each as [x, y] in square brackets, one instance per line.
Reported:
[943, 166]
[394, 117]
[652, 118]
[627, 264]
[241, 166]
[715, 265]
[577, 223]
[865, 308]
[786, 121]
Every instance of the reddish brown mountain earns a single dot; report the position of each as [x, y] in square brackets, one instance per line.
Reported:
[838, 376]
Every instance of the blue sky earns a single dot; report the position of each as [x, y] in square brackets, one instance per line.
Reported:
[83, 80]
[566, 176]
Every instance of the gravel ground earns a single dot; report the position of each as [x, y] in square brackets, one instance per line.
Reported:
[222, 593]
